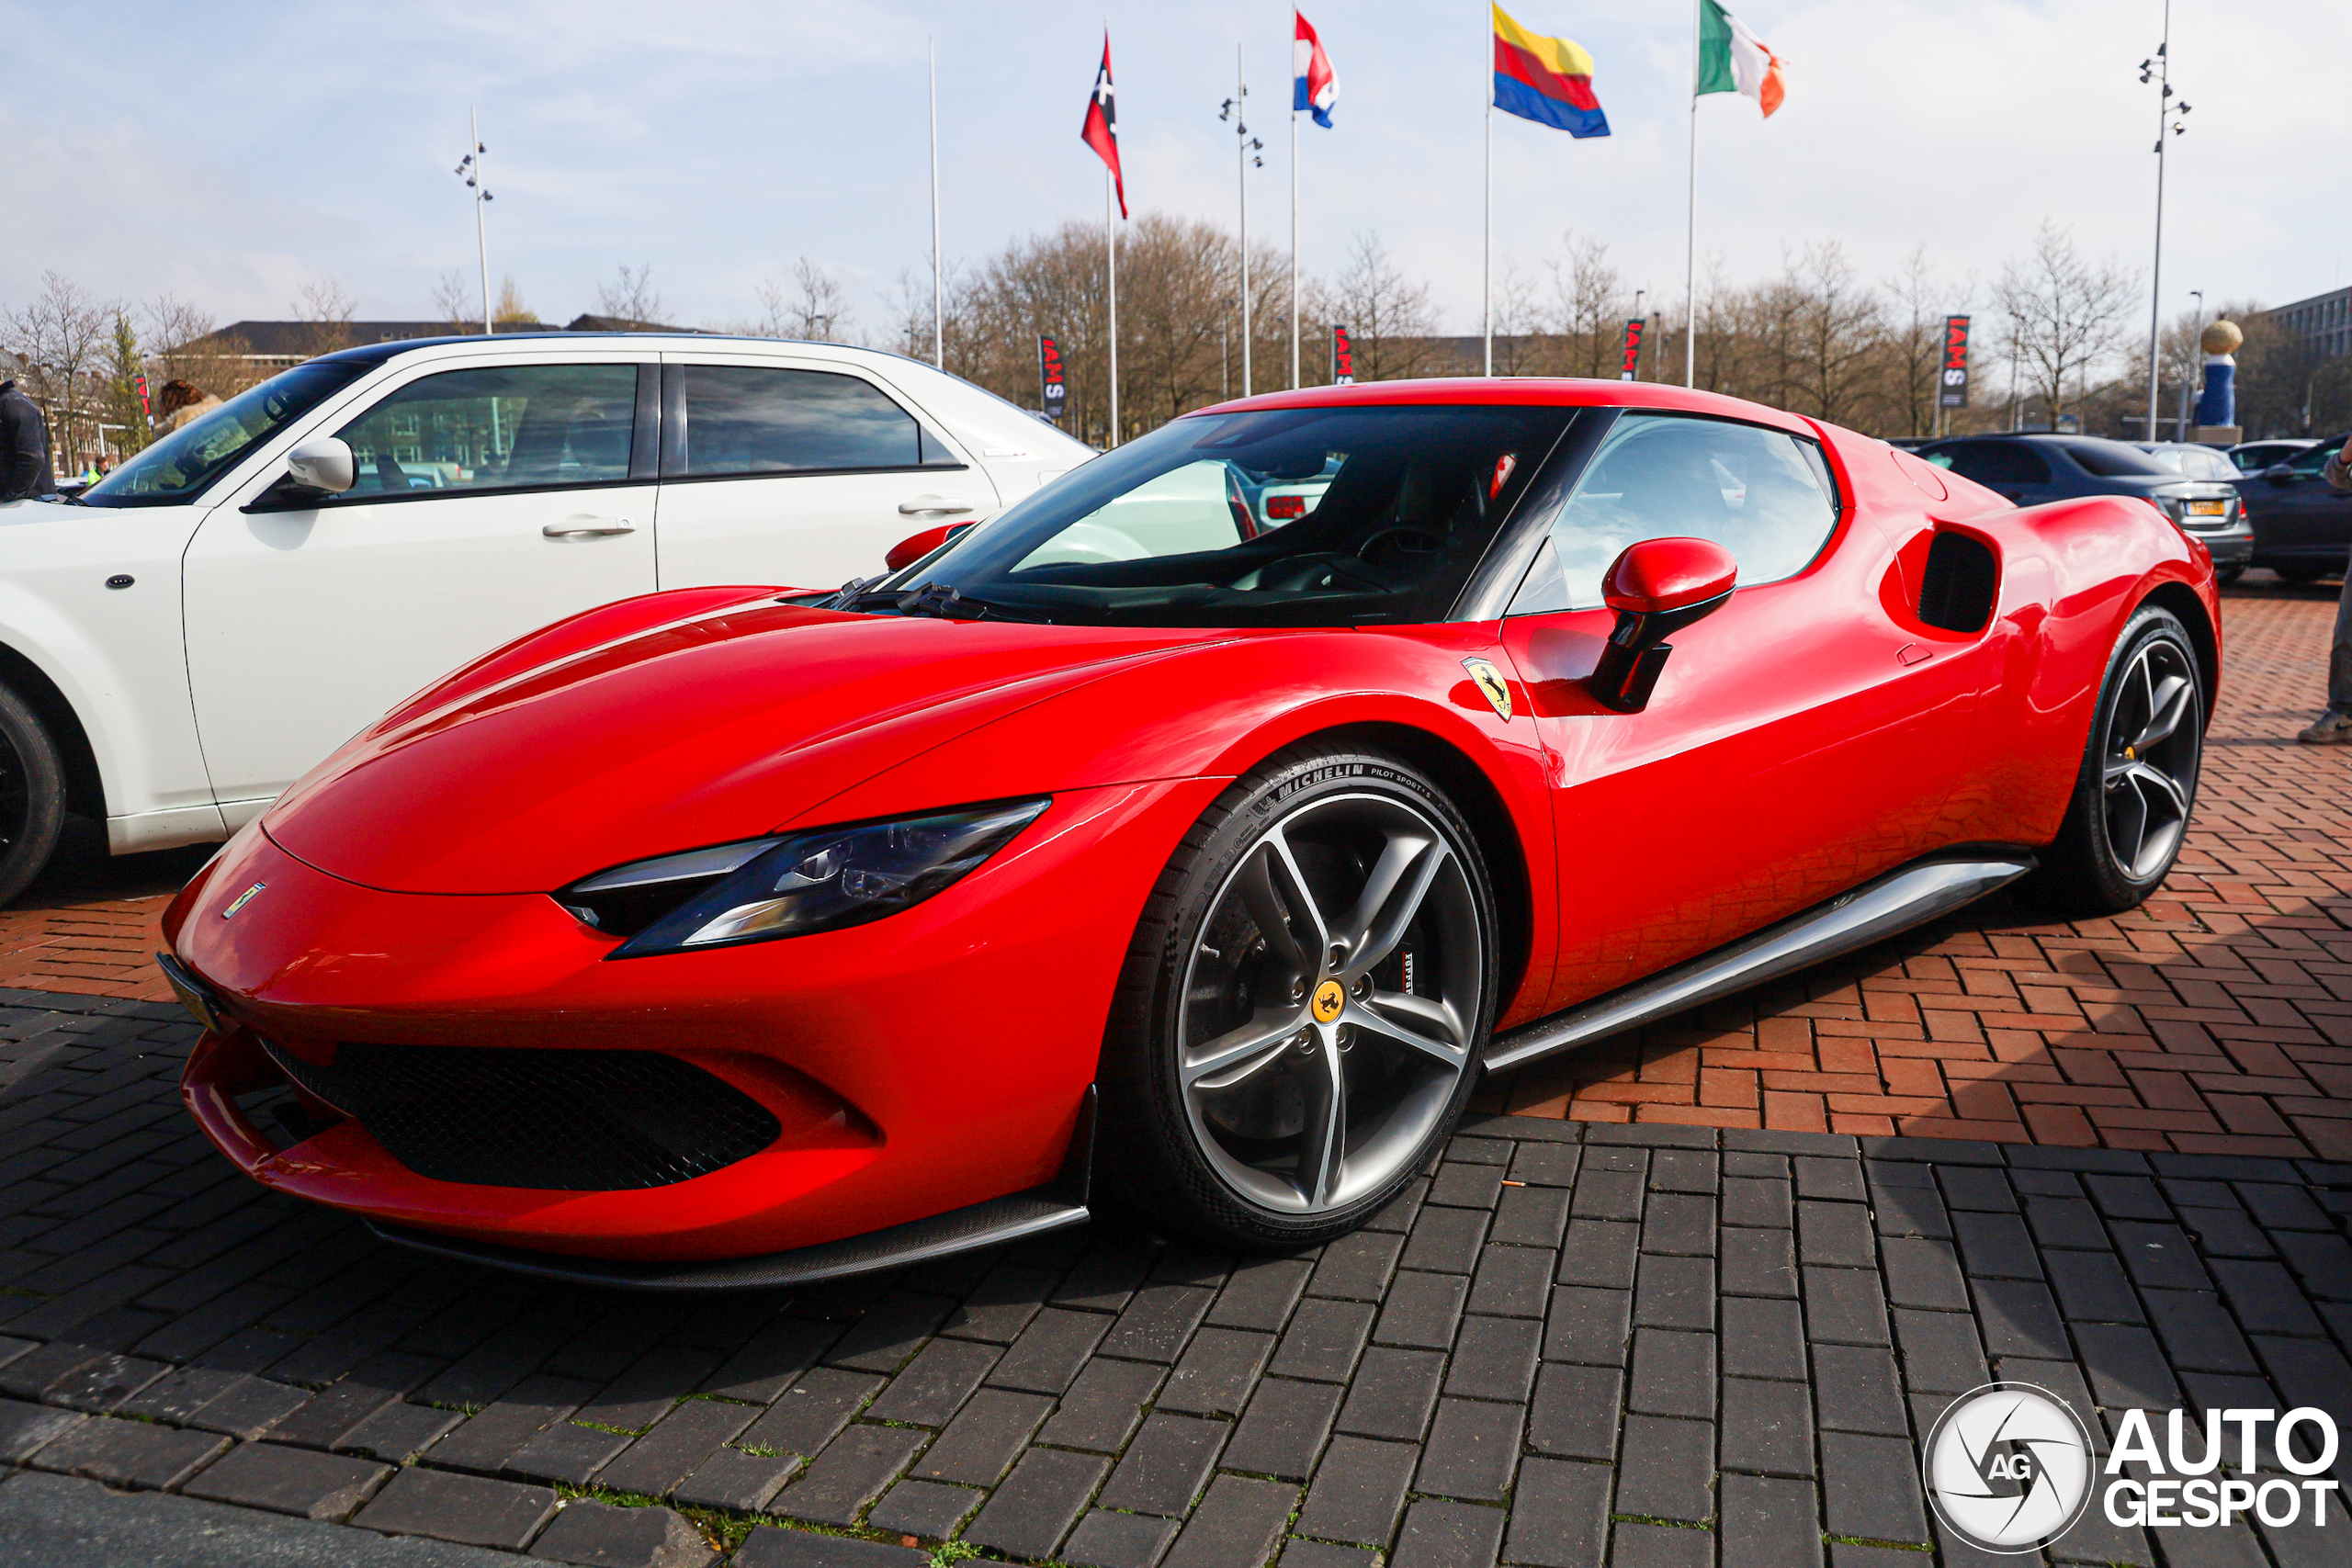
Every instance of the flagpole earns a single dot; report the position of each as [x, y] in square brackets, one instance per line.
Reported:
[938, 322]
[1487, 260]
[1690, 222]
[1111, 257]
[1294, 200]
[1241, 176]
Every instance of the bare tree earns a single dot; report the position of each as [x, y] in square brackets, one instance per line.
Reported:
[1838, 329]
[1918, 302]
[183, 346]
[809, 307]
[1386, 312]
[1588, 306]
[60, 341]
[632, 298]
[511, 307]
[2064, 317]
[325, 312]
[1523, 345]
[453, 300]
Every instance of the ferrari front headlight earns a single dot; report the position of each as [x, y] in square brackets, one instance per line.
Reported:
[792, 884]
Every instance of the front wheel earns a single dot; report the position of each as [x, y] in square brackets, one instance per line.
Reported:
[1301, 1015]
[2138, 782]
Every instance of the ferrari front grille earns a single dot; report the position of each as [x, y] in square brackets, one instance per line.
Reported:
[563, 1121]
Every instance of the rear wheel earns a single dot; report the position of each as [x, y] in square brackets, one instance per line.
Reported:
[2300, 573]
[2138, 782]
[1301, 1016]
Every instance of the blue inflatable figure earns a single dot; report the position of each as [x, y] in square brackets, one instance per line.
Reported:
[2219, 403]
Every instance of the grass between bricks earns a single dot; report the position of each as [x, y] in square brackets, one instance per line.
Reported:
[1883, 1545]
[725, 1528]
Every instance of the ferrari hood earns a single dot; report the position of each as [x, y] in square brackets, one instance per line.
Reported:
[713, 729]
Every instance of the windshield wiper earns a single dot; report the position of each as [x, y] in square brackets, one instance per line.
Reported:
[938, 599]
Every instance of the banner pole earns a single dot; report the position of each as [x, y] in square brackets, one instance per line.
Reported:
[1241, 176]
[1111, 262]
[1487, 260]
[1293, 201]
[1690, 222]
[938, 320]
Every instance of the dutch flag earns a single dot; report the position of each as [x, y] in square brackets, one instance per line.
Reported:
[1314, 86]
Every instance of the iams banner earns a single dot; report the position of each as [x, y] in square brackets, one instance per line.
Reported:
[1052, 393]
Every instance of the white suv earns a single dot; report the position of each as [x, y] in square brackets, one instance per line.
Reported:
[231, 604]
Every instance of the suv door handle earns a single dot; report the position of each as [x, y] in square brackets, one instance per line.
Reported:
[925, 505]
[588, 527]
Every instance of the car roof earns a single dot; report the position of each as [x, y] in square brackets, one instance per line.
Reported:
[373, 353]
[1561, 391]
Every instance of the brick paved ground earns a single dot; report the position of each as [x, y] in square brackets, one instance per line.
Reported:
[2215, 1020]
[1577, 1340]
[1571, 1343]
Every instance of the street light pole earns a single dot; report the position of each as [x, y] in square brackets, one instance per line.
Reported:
[1246, 150]
[2157, 68]
[470, 170]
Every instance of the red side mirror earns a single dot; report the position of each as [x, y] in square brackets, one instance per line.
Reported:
[1660, 575]
[1656, 587]
[914, 546]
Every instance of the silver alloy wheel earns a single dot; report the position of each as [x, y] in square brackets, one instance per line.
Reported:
[2149, 760]
[1331, 1002]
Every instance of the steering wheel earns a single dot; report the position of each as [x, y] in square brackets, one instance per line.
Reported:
[1405, 531]
[1298, 575]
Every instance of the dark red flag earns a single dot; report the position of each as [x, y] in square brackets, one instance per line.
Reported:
[1101, 131]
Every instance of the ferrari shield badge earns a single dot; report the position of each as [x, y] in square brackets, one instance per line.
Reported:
[242, 900]
[1492, 683]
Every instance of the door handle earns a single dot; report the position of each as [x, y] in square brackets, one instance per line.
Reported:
[925, 505]
[588, 527]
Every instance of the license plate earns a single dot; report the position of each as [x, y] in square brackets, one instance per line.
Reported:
[2209, 508]
[191, 994]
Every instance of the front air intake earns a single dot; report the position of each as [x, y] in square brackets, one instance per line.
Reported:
[562, 1121]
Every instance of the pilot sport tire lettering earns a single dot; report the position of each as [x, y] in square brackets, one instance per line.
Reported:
[2129, 812]
[32, 795]
[1301, 1016]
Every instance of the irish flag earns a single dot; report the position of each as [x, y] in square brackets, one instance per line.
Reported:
[1732, 59]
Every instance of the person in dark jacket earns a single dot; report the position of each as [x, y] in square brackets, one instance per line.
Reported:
[2335, 726]
[23, 446]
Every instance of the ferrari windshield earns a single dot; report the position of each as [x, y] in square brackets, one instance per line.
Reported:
[1285, 517]
[192, 457]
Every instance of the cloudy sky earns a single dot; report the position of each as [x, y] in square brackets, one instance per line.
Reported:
[232, 151]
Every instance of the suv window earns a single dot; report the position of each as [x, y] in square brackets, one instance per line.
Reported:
[498, 427]
[1994, 462]
[744, 419]
[1762, 495]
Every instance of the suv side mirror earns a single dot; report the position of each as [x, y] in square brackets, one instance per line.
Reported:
[914, 546]
[1656, 587]
[325, 465]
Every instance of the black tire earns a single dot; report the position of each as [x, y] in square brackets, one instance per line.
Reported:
[2300, 573]
[2225, 575]
[1211, 1102]
[2136, 788]
[32, 795]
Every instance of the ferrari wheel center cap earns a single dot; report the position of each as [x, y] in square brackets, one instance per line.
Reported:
[1329, 997]
[2130, 755]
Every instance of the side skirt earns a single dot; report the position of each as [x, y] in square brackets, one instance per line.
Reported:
[1057, 1205]
[1907, 897]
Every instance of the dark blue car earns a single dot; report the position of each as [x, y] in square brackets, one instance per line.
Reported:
[2031, 469]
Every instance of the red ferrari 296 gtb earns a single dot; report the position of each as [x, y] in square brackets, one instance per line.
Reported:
[1199, 829]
